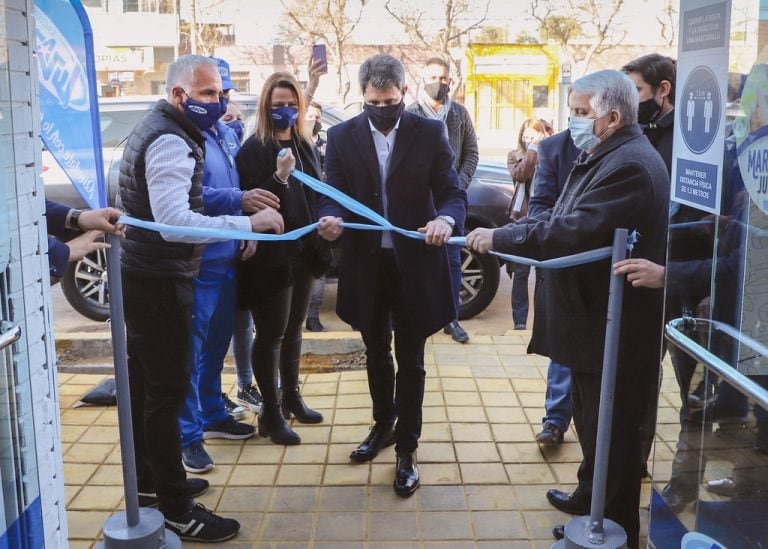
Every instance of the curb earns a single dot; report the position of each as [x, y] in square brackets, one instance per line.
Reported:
[76, 346]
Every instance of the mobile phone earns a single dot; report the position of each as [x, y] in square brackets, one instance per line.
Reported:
[318, 52]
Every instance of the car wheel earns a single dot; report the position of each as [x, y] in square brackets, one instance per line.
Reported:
[86, 287]
[479, 282]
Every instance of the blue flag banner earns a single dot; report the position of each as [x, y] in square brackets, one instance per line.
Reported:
[69, 108]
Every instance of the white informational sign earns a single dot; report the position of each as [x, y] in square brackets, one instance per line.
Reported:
[702, 81]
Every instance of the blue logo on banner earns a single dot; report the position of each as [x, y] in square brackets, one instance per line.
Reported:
[69, 110]
[700, 109]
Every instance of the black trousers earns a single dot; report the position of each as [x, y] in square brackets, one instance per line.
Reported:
[622, 496]
[158, 317]
[396, 397]
[279, 321]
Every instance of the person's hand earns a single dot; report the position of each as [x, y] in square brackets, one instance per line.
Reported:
[437, 232]
[267, 219]
[84, 244]
[256, 200]
[480, 240]
[103, 219]
[641, 273]
[247, 249]
[285, 164]
[316, 68]
[330, 227]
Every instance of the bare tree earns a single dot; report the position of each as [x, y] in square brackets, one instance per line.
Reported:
[328, 21]
[668, 21]
[196, 37]
[445, 36]
[595, 22]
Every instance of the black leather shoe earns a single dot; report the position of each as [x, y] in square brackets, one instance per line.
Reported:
[677, 499]
[314, 325]
[550, 435]
[406, 474]
[568, 503]
[457, 332]
[380, 437]
[559, 531]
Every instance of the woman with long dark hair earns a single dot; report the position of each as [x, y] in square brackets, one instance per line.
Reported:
[276, 283]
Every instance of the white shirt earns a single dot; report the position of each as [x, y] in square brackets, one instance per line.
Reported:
[169, 169]
[384, 145]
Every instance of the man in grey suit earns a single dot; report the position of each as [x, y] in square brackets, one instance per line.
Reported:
[435, 102]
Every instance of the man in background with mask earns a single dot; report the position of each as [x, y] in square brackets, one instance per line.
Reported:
[315, 116]
[161, 179]
[618, 181]
[435, 102]
[402, 166]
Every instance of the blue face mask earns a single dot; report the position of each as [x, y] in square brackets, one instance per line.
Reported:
[238, 127]
[284, 117]
[203, 115]
[583, 132]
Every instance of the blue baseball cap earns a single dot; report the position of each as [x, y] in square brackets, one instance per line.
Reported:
[226, 80]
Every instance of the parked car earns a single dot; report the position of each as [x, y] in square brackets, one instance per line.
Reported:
[85, 283]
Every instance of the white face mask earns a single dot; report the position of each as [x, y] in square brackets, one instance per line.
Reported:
[583, 132]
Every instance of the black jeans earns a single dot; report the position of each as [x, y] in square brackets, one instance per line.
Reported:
[158, 317]
[622, 496]
[279, 321]
[520, 276]
[395, 397]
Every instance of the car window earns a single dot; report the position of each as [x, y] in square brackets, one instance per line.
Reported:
[116, 125]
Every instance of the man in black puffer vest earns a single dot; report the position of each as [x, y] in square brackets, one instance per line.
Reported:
[161, 180]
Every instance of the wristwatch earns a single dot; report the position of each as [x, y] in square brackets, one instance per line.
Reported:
[448, 219]
[72, 219]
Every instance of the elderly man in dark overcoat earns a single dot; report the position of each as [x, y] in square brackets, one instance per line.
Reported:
[619, 180]
[400, 165]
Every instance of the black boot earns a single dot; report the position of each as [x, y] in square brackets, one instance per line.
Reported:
[272, 424]
[289, 380]
[294, 404]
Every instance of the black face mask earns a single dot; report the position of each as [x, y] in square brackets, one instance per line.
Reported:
[385, 117]
[437, 91]
[647, 111]
[317, 127]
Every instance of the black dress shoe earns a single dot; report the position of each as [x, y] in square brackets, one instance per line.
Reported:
[406, 474]
[568, 503]
[380, 437]
[559, 531]
[457, 332]
[314, 325]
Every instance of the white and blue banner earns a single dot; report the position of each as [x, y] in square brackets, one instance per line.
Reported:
[702, 79]
[69, 108]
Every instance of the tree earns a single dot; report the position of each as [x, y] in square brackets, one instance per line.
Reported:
[668, 20]
[491, 34]
[445, 36]
[200, 38]
[594, 22]
[328, 21]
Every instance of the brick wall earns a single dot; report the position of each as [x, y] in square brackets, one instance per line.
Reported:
[28, 268]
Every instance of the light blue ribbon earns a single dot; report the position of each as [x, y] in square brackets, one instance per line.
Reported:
[381, 224]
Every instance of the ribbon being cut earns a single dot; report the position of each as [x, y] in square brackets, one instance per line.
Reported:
[381, 224]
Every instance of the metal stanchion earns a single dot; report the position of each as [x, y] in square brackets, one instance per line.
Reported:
[595, 531]
[136, 527]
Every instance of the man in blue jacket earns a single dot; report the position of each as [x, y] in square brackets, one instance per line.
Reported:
[204, 415]
[556, 156]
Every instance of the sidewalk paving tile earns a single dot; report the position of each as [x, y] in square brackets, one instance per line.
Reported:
[483, 477]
